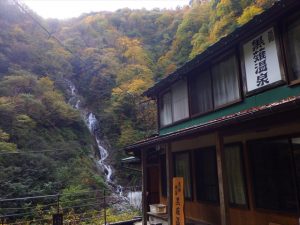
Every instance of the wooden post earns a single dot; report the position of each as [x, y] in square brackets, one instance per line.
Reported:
[170, 175]
[223, 188]
[104, 207]
[58, 204]
[144, 187]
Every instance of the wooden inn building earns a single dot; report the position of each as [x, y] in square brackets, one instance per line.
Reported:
[229, 124]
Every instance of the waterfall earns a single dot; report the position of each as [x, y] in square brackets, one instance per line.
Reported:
[93, 125]
[132, 197]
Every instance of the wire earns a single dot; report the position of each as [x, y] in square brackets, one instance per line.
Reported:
[52, 204]
[26, 198]
[29, 152]
[51, 196]
[79, 206]
[16, 214]
[31, 207]
[26, 221]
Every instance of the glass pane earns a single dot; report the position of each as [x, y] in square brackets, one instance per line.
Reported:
[206, 175]
[235, 175]
[182, 169]
[294, 48]
[180, 101]
[296, 153]
[272, 175]
[225, 82]
[201, 94]
[163, 175]
[166, 109]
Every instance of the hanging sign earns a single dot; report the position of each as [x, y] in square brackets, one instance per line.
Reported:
[178, 201]
[261, 61]
[58, 219]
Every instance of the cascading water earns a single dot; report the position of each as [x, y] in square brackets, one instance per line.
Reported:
[93, 126]
[92, 123]
[132, 197]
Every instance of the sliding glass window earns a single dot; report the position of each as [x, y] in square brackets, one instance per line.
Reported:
[166, 109]
[225, 82]
[293, 42]
[180, 105]
[183, 169]
[201, 94]
[235, 175]
[163, 175]
[206, 175]
[273, 174]
[174, 104]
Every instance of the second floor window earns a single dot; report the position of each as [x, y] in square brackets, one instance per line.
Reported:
[225, 82]
[174, 104]
[201, 95]
[215, 87]
[294, 49]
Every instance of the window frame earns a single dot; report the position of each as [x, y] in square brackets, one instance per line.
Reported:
[196, 72]
[233, 52]
[208, 67]
[159, 102]
[285, 47]
[189, 168]
[244, 174]
[281, 61]
[163, 192]
[188, 101]
[216, 203]
[289, 137]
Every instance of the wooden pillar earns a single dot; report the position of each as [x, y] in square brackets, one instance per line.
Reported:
[169, 164]
[144, 188]
[223, 188]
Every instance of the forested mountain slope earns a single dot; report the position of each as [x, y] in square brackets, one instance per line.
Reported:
[35, 116]
[111, 58]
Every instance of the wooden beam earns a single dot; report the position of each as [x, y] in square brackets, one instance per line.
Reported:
[223, 188]
[169, 163]
[144, 186]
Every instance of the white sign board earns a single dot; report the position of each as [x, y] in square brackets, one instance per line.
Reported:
[261, 61]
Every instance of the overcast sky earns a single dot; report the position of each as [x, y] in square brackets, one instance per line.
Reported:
[63, 9]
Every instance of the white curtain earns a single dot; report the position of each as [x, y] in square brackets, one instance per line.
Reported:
[294, 48]
[225, 81]
[182, 169]
[180, 104]
[166, 109]
[234, 173]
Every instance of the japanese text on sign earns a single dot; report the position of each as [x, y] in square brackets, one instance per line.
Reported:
[261, 61]
[178, 201]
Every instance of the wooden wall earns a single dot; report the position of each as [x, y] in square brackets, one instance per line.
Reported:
[251, 216]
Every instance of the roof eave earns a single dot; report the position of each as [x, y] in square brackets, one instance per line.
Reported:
[284, 105]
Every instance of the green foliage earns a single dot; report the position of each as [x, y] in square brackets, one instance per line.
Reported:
[249, 13]
[121, 55]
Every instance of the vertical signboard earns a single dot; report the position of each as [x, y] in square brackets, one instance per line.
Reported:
[261, 61]
[178, 201]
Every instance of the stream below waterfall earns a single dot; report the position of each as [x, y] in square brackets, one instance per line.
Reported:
[133, 197]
